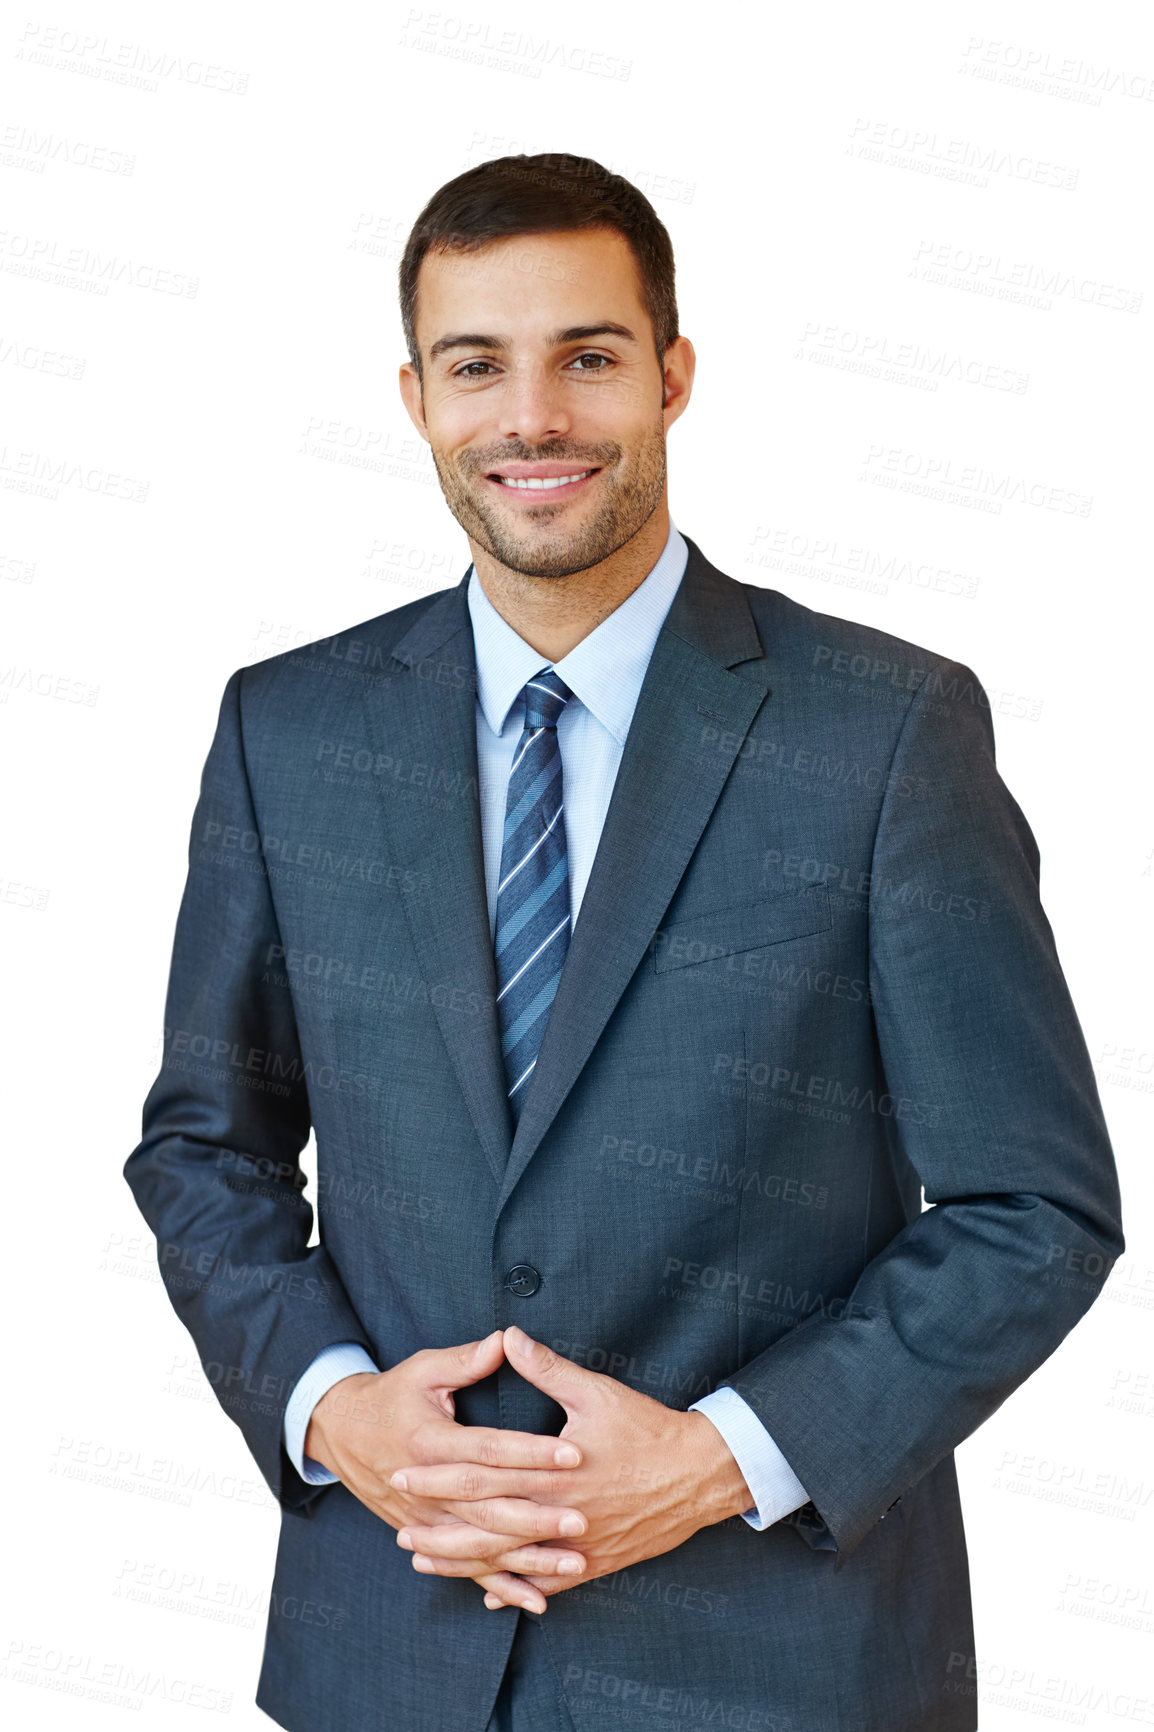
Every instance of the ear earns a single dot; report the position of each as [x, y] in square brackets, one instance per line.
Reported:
[413, 398]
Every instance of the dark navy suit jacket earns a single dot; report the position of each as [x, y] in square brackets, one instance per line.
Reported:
[812, 975]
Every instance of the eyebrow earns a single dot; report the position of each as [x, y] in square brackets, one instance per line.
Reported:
[572, 334]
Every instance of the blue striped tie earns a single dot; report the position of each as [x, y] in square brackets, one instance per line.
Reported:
[532, 931]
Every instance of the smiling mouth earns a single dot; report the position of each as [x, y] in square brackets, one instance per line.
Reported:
[546, 487]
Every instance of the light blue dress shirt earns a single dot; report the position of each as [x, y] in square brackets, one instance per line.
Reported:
[604, 671]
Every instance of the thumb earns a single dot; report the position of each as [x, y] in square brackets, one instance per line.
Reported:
[539, 1365]
[467, 1363]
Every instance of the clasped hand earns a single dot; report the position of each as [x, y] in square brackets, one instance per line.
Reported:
[628, 1477]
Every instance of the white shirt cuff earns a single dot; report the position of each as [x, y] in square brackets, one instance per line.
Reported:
[342, 1359]
[776, 1488]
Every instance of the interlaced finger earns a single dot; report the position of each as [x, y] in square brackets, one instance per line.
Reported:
[503, 1589]
[444, 1440]
[468, 1546]
[469, 1482]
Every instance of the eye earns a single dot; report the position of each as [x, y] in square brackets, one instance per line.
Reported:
[467, 370]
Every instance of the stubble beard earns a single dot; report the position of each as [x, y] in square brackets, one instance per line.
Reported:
[627, 504]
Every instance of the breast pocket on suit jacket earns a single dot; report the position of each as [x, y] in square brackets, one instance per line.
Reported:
[740, 926]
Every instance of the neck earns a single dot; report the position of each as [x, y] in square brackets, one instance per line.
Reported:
[553, 614]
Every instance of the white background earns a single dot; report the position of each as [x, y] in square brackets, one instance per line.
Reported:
[954, 197]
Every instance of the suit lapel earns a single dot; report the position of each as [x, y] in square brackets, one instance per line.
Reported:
[691, 718]
[424, 720]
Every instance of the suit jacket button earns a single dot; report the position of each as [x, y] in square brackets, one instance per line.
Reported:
[522, 1280]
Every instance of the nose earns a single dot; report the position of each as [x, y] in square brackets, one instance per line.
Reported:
[532, 407]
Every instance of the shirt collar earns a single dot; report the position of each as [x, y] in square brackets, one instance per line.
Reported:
[605, 670]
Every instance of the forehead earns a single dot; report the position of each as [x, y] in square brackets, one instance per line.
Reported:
[523, 285]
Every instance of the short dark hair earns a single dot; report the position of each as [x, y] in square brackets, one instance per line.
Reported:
[524, 195]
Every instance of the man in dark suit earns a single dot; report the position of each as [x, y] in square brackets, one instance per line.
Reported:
[639, 944]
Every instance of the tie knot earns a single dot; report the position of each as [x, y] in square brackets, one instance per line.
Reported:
[546, 695]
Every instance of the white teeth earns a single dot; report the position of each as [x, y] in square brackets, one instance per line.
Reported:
[532, 481]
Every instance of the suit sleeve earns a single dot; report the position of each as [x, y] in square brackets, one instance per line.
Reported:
[975, 1028]
[216, 1174]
